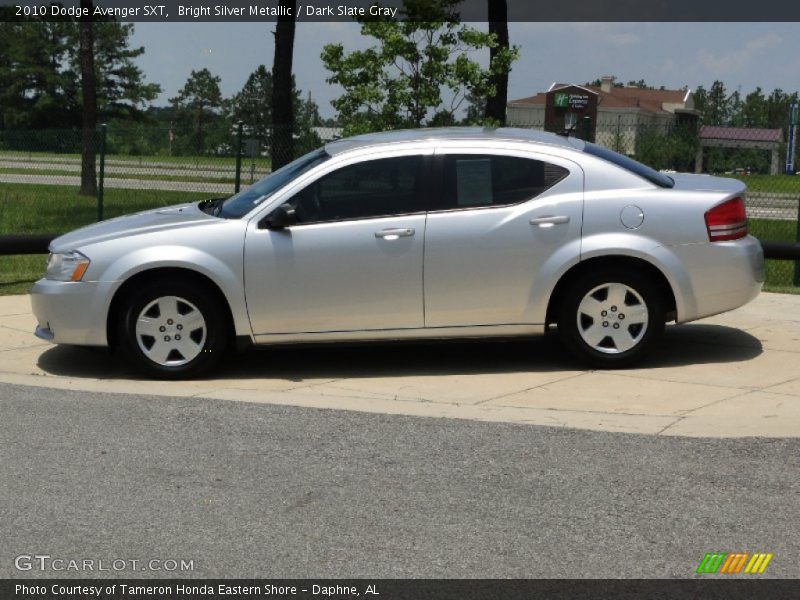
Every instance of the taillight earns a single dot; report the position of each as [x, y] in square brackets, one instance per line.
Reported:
[727, 221]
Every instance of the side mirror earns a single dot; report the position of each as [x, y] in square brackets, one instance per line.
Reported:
[281, 218]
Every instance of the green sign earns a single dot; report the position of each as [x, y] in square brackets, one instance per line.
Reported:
[568, 100]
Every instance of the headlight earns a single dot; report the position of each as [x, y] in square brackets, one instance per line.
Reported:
[66, 266]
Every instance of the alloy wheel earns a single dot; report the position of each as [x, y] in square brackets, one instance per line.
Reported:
[612, 318]
[171, 331]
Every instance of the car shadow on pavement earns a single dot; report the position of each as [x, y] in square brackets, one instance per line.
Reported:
[682, 345]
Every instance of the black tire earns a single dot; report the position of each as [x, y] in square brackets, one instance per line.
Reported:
[210, 345]
[576, 326]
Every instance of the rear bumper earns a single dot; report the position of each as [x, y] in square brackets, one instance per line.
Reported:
[71, 312]
[719, 276]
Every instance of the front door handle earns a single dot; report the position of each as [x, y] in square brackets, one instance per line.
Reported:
[393, 234]
[549, 221]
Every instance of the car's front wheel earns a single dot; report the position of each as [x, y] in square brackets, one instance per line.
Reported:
[173, 330]
[612, 319]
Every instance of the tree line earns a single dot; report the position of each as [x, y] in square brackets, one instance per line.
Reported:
[756, 109]
[421, 71]
[677, 148]
[718, 106]
[41, 89]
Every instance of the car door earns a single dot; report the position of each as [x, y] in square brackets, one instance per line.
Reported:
[352, 263]
[503, 224]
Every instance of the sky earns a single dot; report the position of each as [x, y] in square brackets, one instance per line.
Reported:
[742, 55]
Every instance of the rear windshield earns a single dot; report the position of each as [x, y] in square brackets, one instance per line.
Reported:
[629, 164]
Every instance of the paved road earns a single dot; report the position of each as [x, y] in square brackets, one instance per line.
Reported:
[246, 489]
[133, 168]
[126, 184]
[191, 163]
[772, 213]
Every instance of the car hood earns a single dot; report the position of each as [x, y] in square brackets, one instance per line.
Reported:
[707, 183]
[149, 221]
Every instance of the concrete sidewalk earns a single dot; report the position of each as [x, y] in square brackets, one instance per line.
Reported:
[733, 375]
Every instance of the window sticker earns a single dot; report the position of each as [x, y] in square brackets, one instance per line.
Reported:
[474, 182]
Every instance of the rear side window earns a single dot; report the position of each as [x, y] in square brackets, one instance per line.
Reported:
[476, 180]
[629, 164]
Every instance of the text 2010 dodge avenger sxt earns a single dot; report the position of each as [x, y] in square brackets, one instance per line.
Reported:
[411, 234]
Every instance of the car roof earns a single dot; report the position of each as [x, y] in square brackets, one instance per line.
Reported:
[462, 134]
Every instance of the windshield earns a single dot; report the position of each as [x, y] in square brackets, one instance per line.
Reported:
[629, 164]
[242, 203]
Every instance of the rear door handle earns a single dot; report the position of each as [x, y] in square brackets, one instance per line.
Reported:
[393, 234]
[549, 220]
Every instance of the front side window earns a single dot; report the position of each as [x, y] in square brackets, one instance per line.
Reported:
[475, 180]
[369, 189]
[242, 203]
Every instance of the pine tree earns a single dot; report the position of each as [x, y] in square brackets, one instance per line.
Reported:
[198, 106]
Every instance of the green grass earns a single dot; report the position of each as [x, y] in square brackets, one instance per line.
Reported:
[780, 273]
[26, 209]
[775, 230]
[780, 184]
[17, 273]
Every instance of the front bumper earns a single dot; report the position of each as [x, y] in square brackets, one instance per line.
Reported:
[70, 312]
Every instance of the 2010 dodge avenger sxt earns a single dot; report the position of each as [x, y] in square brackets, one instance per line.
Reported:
[431, 233]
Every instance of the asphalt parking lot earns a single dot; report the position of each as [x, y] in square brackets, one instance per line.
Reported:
[257, 490]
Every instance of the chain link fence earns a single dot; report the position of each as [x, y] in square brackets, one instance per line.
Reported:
[151, 158]
[147, 166]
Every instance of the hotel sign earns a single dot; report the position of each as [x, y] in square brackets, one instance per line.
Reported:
[567, 100]
[567, 109]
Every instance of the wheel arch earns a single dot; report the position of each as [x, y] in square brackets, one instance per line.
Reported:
[609, 262]
[167, 274]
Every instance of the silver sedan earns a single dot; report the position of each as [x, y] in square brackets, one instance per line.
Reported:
[449, 233]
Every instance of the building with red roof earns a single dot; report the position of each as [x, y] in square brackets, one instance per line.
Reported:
[622, 112]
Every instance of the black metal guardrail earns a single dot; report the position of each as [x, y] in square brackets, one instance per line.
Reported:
[781, 250]
[26, 244]
[37, 244]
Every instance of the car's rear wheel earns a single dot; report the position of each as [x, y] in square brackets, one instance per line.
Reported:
[173, 330]
[611, 319]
